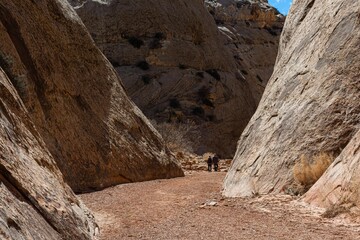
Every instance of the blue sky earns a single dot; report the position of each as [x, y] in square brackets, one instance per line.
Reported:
[281, 5]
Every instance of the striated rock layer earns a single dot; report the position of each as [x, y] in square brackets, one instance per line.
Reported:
[340, 183]
[35, 203]
[177, 65]
[97, 136]
[311, 103]
[251, 30]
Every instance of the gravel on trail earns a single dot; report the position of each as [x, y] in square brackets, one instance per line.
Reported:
[192, 207]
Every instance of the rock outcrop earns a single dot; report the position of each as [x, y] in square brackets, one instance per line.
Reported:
[251, 30]
[340, 183]
[177, 66]
[311, 103]
[75, 99]
[35, 203]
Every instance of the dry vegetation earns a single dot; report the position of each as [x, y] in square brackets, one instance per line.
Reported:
[308, 170]
[179, 137]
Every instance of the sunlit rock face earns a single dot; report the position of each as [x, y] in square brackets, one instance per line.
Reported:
[75, 99]
[178, 65]
[35, 202]
[310, 104]
[251, 29]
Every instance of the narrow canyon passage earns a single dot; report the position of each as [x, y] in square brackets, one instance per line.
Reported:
[182, 208]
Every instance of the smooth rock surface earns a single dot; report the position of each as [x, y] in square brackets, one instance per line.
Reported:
[97, 136]
[178, 65]
[35, 203]
[340, 183]
[311, 103]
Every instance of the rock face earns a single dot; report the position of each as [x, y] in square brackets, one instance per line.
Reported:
[251, 30]
[177, 66]
[97, 136]
[311, 103]
[35, 203]
[340, 183]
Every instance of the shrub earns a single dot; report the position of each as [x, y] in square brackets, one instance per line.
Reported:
[174, 103]
[219, 22]
[6, 61]
[200, 74]
[214, 73]
[179, 136]
[207, 102]
[198, 111]
[271, 31]
[146, 79]
[114, 63]
[135, 42]
[160, 35]
[211, 118]
[19, 81]
[244, 72]
[156, 42]
[307, 172]
[182, 66]
[259, 78]
[143, 65]
[335, 210]
[203, 92]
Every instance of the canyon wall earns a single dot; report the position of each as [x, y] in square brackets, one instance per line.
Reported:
[311, 103]
[35, 202]
[76, 100]
[178, 65]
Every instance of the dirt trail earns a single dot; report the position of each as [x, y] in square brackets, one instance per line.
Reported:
[181, 209]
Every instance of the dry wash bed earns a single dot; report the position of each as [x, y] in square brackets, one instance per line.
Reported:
[181, 209]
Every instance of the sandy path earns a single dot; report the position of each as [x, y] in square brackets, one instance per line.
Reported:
[174, 209]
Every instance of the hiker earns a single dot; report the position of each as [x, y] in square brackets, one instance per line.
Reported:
[215, 161]
[209, 162]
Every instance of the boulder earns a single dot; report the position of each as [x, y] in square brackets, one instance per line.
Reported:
[311, 103]
[178, 67]
[76, 100]
[35, 202]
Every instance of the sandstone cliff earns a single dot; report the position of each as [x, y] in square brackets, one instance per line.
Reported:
[177, 66]
[311, 103]
[251, 30]
[35, 203]
[340, 183]
[97, 136]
